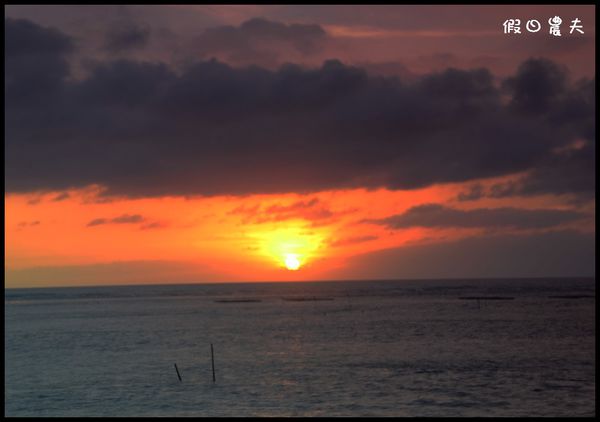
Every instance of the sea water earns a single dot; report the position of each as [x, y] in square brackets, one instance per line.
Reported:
[381, 348]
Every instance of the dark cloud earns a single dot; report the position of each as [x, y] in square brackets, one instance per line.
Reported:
[474, 192]
[123, 219]
[23, 224]
[25, 38]
[259, 40]
[35, 63]
[352, 240]
[61, 197]
[536, 86]
[143, 129]
[555, 254]
[97, 222]
[127, 219]
[439, 216]
[566, 172]
[154, 225]
[299, 205]
[311, 210]
[389, 69]
[126, 36]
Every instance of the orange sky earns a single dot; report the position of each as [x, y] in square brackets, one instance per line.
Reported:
[222, 238]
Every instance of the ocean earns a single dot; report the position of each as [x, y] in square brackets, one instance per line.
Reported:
[364, 348]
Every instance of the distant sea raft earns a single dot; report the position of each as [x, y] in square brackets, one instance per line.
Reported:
[287, 299]
[305, 299]
[487, 297]
[238, 300]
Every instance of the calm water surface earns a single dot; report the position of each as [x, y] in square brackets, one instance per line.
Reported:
[385, 348]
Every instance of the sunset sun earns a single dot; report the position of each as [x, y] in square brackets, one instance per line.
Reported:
[289, 247]
[292, 262]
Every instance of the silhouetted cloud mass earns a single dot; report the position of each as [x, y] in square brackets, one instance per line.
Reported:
[126, 36]
[259, 39]
[312, 210]
[29, 223]
[61, 197]
[499, 256]
[123, 219]
[439, 216]
[146, 129]
[352, 240]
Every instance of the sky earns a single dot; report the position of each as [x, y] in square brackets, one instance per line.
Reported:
[198, 144]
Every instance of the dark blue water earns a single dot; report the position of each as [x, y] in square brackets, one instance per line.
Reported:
[384, 348]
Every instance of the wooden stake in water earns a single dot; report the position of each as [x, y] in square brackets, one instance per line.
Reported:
[177, 370]
[212, 358]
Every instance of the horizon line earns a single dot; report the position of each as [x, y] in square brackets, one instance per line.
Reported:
[593, 277]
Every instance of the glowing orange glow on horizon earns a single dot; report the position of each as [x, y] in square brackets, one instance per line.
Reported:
[284, 237]
[290, 246]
